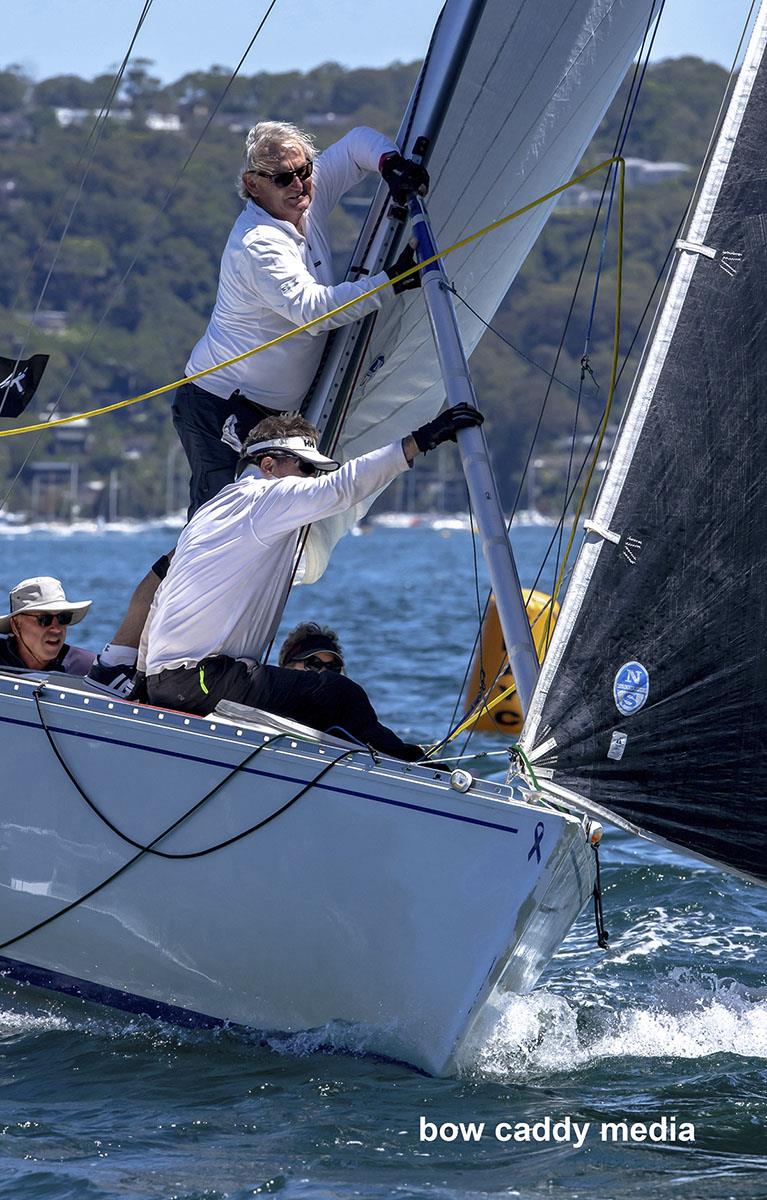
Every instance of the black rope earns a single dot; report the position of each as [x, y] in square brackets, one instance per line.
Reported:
[149, 848]
[602, 934]
[237, 768]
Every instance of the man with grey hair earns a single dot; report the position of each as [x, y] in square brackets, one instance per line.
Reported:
[276, 275]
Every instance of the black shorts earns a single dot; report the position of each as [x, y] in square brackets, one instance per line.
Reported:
[198, 418]
[323, 700]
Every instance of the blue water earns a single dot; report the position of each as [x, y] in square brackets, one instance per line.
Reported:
[671, 1022]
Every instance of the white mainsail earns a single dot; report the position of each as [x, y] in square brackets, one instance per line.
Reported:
[529, 83]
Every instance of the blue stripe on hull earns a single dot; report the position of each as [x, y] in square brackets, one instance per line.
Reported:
[213, 762]
[55, 981]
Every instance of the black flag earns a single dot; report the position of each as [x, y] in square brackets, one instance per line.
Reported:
[19, 378]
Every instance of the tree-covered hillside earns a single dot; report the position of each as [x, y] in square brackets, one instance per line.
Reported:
[127, 292]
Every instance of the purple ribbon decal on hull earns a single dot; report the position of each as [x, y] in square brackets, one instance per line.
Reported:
[535, 849]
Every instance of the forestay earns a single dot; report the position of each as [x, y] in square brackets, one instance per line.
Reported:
[653, 700]
[509, 98]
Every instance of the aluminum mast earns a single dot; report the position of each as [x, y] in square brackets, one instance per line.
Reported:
[483, 493]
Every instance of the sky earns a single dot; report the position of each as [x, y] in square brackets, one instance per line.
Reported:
[89, 37]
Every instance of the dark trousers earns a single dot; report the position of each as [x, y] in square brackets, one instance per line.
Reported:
[198, 418]
[322, 700]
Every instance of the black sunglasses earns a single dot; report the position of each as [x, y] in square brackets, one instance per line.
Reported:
[46, 619]
[304, 467]
[315, 663]
[284, 179]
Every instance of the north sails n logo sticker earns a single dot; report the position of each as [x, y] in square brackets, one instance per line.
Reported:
[631, 688]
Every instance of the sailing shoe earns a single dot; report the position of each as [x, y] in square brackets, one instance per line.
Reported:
[120, 680]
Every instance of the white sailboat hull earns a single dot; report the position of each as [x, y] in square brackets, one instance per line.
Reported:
[383, 903]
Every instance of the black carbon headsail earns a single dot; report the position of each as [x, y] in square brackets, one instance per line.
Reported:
[653, 701]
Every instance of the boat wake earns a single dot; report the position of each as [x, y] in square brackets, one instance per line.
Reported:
[690, 1017]
[519, 1037]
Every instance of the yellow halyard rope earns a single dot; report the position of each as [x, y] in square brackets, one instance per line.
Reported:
[472, 237]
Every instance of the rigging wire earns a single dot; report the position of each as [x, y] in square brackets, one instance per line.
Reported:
[87, 154]
[660, 275]
[140, 245]
[623, 129]
[479, 705]
[628, 113]
[450, 287]
[620, 139]
[686, 213]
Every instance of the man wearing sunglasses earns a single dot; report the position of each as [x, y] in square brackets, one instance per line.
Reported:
[36, 624]
[316, 649]
[276, 274]
[312, 647]
[217, 608]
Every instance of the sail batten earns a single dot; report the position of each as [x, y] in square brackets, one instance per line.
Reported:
[654, 686]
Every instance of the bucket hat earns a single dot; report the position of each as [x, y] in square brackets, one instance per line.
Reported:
[39, 595]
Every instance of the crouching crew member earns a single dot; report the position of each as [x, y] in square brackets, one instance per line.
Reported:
[212, 615]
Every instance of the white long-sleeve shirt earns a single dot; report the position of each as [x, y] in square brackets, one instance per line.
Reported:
[227, 578]
[275, 277]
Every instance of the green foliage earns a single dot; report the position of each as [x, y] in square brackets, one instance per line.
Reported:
[13, 89]
[137, 271]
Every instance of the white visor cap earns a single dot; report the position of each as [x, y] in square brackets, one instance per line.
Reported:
[303, 448]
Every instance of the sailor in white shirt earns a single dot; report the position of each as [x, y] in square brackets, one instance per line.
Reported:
[276, 275]
[213, 615]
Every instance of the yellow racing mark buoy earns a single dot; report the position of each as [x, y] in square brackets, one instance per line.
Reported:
[502, 713]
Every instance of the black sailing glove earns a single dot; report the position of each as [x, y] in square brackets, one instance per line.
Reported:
[405, 261]
[403, 176]
[444, 427]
